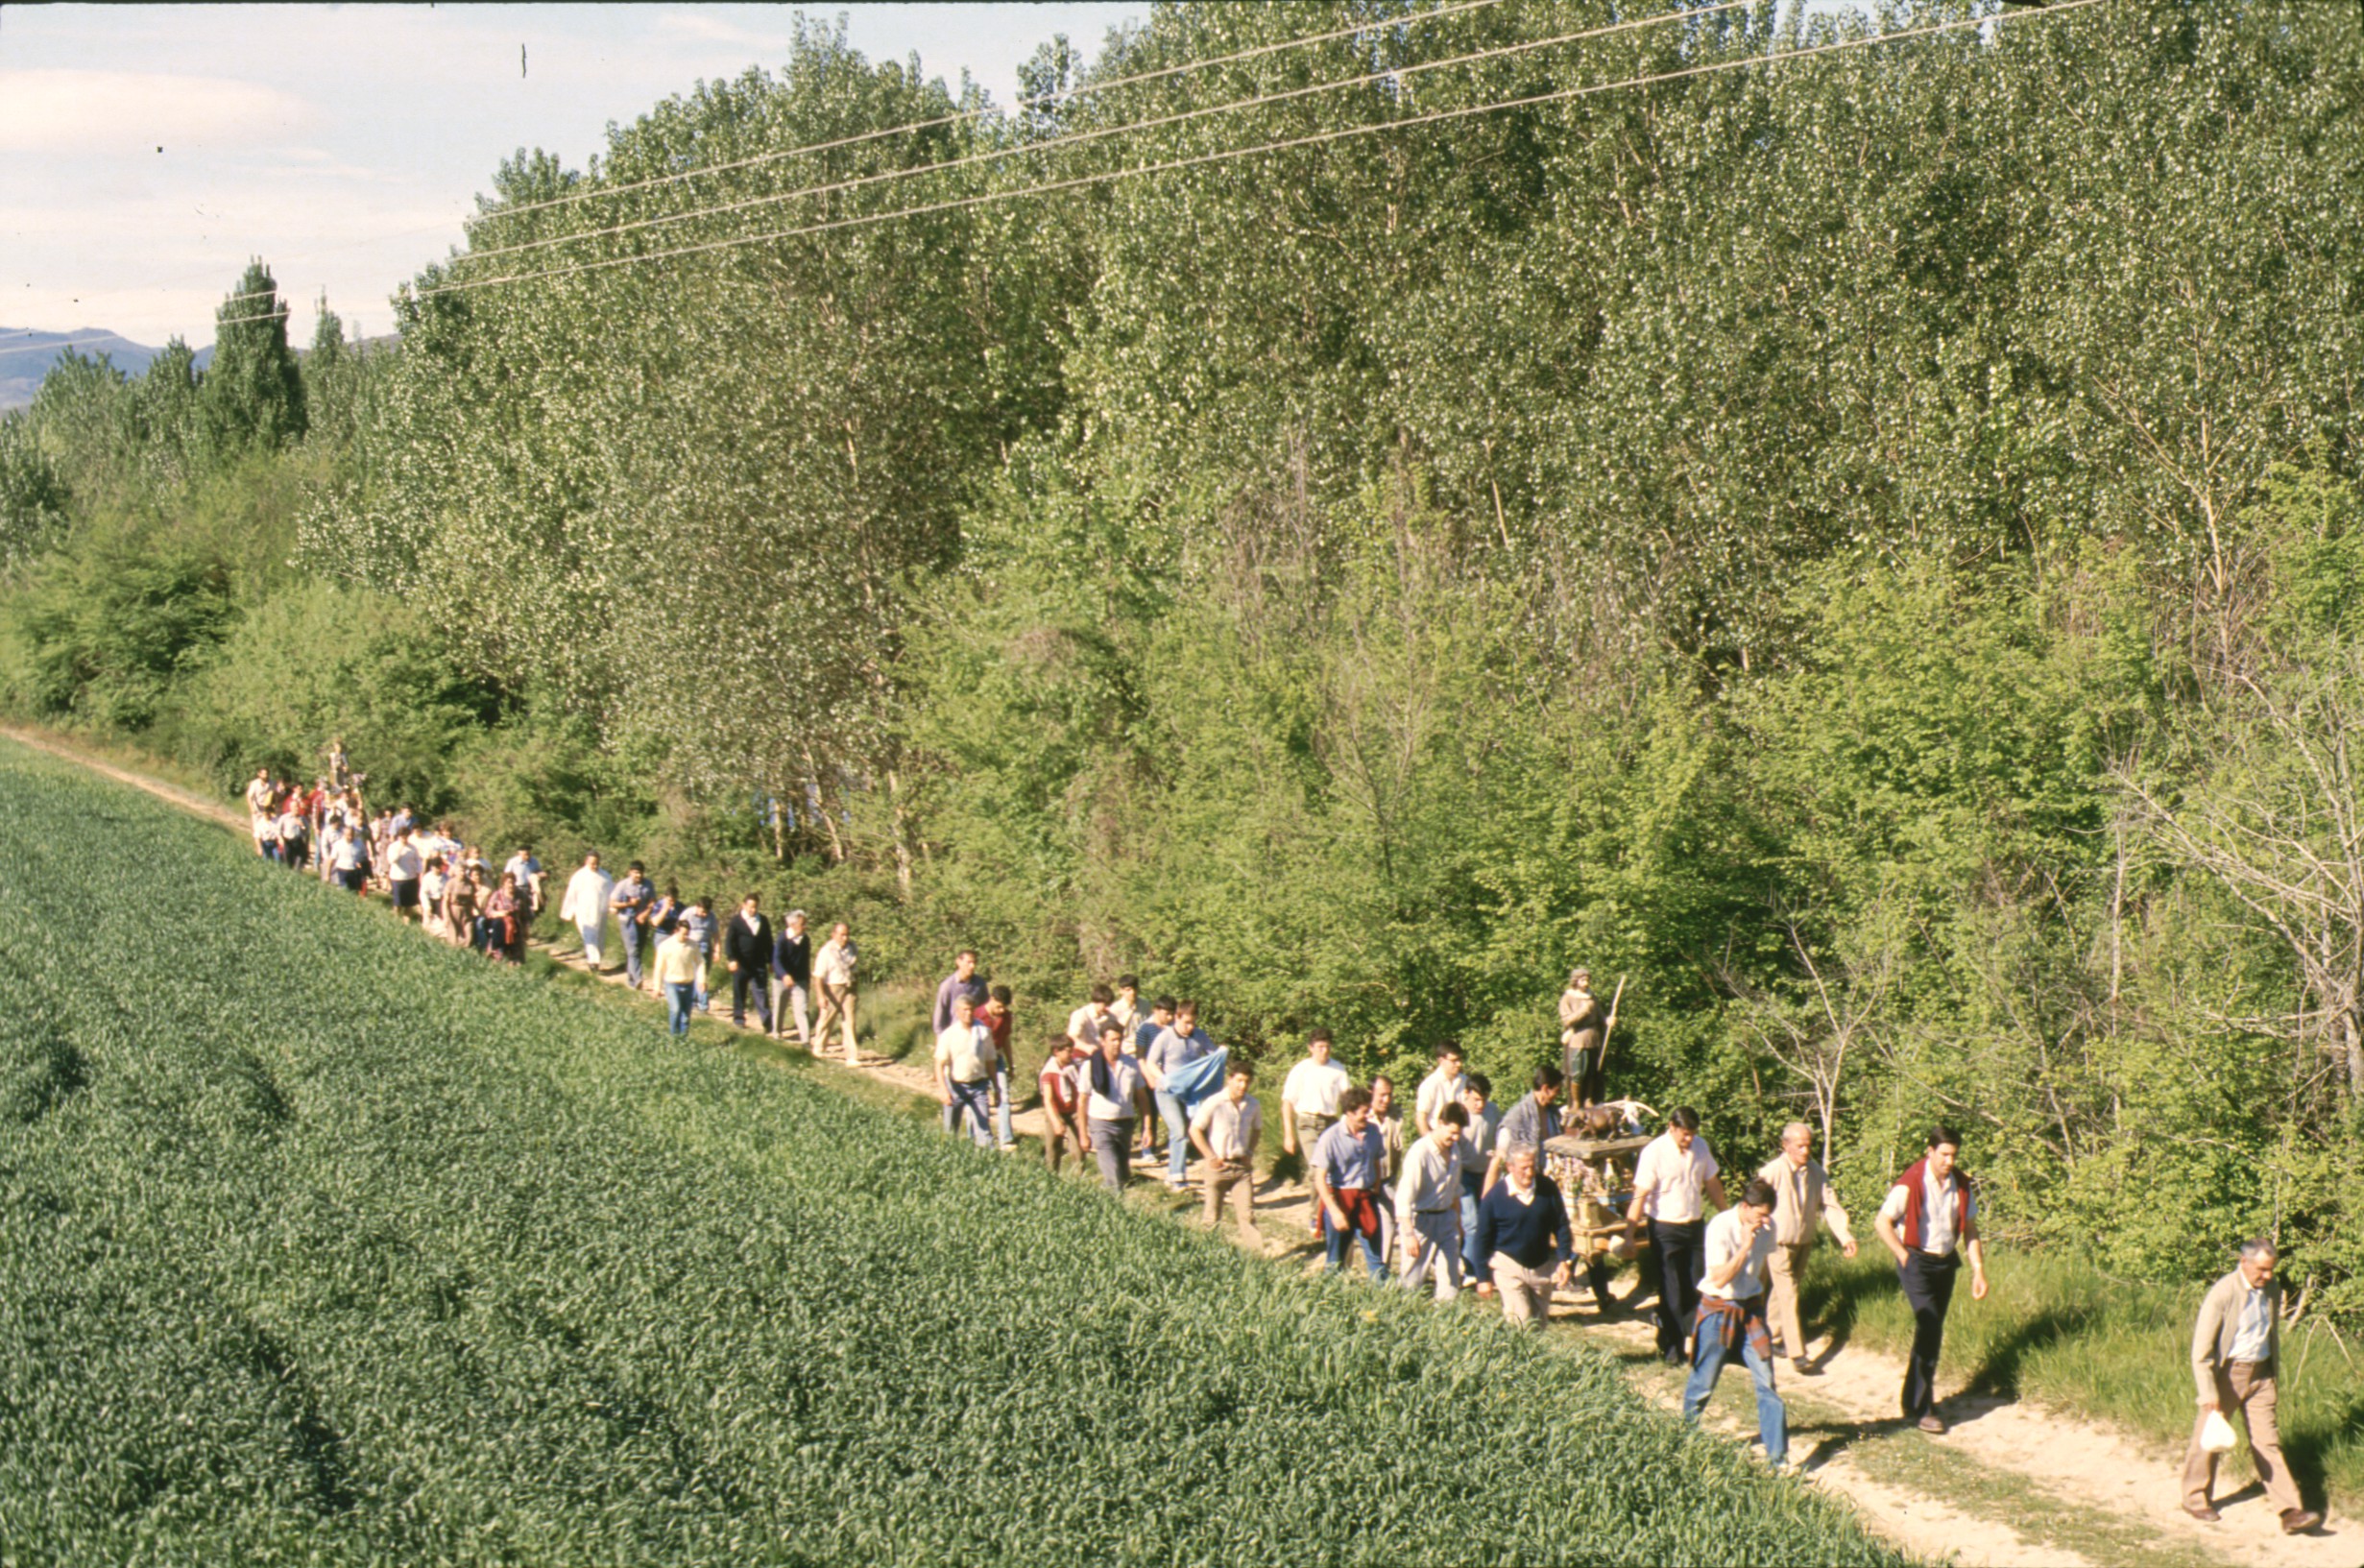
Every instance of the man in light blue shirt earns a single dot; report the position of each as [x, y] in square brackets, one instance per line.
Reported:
[1349, 1165]
[1178, 1045]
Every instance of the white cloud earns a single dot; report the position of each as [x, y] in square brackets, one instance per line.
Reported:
[75, 110]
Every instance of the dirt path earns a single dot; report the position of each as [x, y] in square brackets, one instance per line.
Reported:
[2011, 1484]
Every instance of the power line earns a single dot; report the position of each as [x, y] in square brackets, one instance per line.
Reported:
[1559, 95]
[1076, 138]
[1082, 90]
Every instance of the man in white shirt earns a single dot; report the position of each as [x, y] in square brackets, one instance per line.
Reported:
[585, 904]
[1428, 1205]
[832, 973]
[1309, 1098]
[405, 863]
[965, 1064]
[1442, 1088]
[1930, 1219]
[1672, 1182]
[528, 871]
[1731, 1320]
[1226, 1128]
[1083, 1024]
[1116, 1089]
[1802, 1200]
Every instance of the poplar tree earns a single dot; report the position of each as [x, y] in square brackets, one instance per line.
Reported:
[253, 395]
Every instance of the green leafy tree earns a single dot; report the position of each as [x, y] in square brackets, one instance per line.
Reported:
[253, 395]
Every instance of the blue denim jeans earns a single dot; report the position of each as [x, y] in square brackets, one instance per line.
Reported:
[632, 951]
[678, 998]
[1177, 1138]
[1340, 1239]
[1469, 1223]
[969, 1105]
[1707, 1359]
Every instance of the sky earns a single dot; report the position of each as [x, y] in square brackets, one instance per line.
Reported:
[147, 152]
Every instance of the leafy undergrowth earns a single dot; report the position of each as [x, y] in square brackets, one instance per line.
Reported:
[321, 1243]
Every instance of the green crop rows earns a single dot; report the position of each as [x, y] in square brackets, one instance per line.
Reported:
[320, 1242]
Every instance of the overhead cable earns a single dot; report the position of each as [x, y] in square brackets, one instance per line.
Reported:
[1315, 138]
[1100, 132]
[1082, 91]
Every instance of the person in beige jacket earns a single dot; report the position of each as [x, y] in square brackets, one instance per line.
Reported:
[2235, 1351]
[1802, 1202]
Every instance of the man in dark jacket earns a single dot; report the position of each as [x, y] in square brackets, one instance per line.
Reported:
[747, 948]
[792, 979]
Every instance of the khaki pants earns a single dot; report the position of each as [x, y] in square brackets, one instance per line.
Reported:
[2243, 1389]
[1786, 1266]
[1525, 1292]
[1061, 1138]
[1240, 1182]
[836, 1001]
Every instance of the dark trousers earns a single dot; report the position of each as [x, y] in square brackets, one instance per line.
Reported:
[754, 977]
[1683, 1261]
[1928, 1290]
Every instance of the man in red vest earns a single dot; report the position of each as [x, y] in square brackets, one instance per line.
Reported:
[1929, 1220]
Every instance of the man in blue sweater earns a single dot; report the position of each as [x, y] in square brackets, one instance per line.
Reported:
[1522, 1228]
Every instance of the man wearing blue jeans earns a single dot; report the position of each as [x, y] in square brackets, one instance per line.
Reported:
[678, 964]
[965, 1064]
[1732, 1317]
[1349, 1170]
[629, 903]
[1178, 1045]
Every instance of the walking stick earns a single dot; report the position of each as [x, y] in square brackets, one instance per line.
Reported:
[1600, 1065]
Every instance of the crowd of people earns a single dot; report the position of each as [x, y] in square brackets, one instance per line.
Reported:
[1458, 1192]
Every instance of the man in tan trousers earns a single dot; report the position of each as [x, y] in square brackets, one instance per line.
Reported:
[2235, 1351]
[1802, 1200]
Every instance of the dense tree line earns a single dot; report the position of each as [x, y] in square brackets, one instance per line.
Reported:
[1867, 547]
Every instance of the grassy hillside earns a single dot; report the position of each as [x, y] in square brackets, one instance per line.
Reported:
[322, 1242]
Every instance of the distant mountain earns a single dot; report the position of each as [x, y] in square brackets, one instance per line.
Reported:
[26, 355]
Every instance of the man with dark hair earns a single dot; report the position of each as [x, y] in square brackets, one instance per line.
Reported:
[1477, 1151]
[1112, 1105]
[1226, 1127]
[1929, 1218]
[1672, 1181]
[1126, 1008]
[996, 1017]
[747, 948]
[629, 903]
[2235, 1351]
[1348, 1165]
[1063, 1121]
[1180, 1043]
[1533, 1121]
[1442, 1088]
[1732, 1317]
[1428, 1204]
[962, 982]
[1308, 1100]
[1388, 1120]
[1083, 1024]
